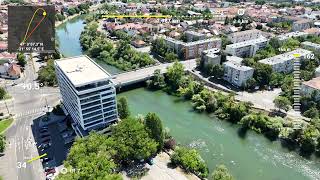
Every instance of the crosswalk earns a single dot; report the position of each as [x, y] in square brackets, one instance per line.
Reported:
[32, 112]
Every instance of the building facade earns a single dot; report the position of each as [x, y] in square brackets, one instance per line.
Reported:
[244, 35]
[211, 56]
[88, 94]
[311, 46]
[237, 74]
[246, 48]
[284, 62]
[301, 25]
[192, 50]
[284, 37]
[194, 36]
[311, 87]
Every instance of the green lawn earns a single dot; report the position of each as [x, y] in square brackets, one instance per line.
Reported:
[4, 124]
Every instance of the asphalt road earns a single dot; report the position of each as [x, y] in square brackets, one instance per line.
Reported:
[28, 105]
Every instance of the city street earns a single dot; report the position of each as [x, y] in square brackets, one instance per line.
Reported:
[28, 105]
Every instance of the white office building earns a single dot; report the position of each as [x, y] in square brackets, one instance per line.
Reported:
[247, 48]
[311, 46]
[237, 74]
[88, 94]
[284, 62]
[244, 35]
[211, 56]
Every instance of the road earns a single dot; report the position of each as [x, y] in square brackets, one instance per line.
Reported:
[145, 73]
[28, 105]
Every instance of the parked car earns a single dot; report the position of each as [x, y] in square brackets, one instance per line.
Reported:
[150, 161]
[44, 146]
[49, 176]
[46, 160]
[50, 171]
[44, 135]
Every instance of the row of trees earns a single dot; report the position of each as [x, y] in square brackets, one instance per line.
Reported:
[120, 55]
[46, 75]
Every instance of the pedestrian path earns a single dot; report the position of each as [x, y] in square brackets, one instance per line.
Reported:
[31, 112]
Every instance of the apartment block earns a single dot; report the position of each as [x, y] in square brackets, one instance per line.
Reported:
[310, 87]
[284, 62]
[311, 46]
[284, 37]
[211, 56]
[246, 48]
[192, 50]
[317, 72]
[237, 74]
[194, 36]
[301, 25]
[88, 94]
[244, 35]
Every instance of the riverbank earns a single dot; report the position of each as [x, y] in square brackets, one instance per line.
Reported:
[219, 142]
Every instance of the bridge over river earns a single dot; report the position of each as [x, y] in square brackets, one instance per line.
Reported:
[143, 74]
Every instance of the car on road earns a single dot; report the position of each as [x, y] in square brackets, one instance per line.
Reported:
[49, 176]
[150, 161]
[44, 135]
[14, 84]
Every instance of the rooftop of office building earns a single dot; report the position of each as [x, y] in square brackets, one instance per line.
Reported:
[284, 57]
[82, 70]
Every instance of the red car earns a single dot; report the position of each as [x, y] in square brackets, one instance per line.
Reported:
[50, 171]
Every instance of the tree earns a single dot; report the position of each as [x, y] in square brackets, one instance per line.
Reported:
[250, 83]
[123, 108]
[2, 143]
[262, 73]
[21, 59]
[221, 173]
[311, 113]
[282, 102]
[155, 129]
[91, 157]
[132, 141]
[174, 75]
[190, 160]
[157, 81]
[2, 93]
[47, 74]
[309, 138]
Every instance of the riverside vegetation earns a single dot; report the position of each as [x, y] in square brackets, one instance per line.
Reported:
[306, 138]
[120, 54]
[133, 139]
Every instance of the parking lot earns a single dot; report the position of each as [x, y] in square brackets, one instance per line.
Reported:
[53, 142]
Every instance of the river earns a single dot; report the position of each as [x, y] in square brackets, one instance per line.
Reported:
[68, 35]
[253, 157]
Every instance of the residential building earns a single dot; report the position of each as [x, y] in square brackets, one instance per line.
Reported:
[317, 72]
[192, 50]
[311, 46]
[237, 74]
[211, 56]
[310, 87]
[244, 35]
[88, 93]
[284, 62]
[284, 37]
[246, 48]
[301, 25]
[194, 36]
[10, 70]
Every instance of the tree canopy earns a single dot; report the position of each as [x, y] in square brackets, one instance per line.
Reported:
[221, 173]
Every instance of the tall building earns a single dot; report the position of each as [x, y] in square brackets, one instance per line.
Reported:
[246, 48]
[284, 37]
[211, 56]
[310, 45]
[244, 35]
[88, 93]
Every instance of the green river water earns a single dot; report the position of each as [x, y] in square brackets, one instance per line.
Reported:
[252, 157]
